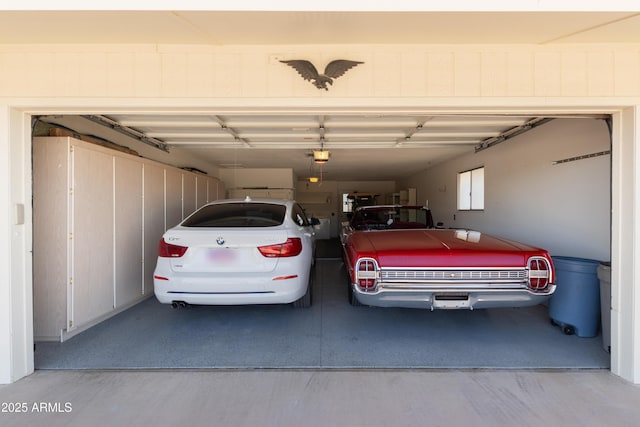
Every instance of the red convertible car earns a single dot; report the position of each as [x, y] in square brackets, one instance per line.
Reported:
[395, 257]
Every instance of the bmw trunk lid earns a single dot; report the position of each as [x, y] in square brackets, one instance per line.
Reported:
[224, 250]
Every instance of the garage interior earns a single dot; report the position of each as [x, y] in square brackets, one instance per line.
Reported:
[552, 172]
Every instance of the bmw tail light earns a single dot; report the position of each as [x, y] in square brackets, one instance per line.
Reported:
[292, 247]
[366, 274]
[539, 273]
[167, 250]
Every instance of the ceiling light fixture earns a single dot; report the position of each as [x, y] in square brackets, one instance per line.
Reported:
[321, 155]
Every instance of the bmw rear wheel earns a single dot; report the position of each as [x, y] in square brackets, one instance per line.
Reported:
[305, 300]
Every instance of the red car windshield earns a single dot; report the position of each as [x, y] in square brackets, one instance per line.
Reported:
[391, 217]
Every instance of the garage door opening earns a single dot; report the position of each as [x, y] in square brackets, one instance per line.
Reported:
[542, 187]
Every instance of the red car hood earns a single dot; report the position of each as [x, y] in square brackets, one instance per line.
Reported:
[440, 248]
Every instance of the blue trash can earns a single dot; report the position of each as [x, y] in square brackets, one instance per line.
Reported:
[575, 305]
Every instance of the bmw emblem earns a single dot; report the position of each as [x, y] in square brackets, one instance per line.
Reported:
[220, 241]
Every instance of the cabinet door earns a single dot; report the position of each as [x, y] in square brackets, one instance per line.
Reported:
[189, 194]
[173, 197]
[128, 230]
[92, 289]
[201, 191]
[153, 220]
[50, 237]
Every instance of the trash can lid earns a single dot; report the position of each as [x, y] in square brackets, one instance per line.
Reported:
[580, 265]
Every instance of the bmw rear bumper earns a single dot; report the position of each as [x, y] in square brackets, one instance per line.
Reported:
[208, 291]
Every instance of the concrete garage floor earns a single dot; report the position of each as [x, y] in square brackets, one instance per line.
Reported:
[330, 334]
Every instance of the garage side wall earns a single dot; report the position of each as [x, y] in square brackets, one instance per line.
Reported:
[98, 217]
[563, 207]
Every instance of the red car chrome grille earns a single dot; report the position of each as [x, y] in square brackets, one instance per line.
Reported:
[454, 275]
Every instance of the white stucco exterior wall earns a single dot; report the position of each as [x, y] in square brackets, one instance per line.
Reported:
[39, 79]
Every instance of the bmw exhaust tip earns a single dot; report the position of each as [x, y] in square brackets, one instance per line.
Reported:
[179, 304]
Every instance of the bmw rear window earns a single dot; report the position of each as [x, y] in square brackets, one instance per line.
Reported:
[237, 215]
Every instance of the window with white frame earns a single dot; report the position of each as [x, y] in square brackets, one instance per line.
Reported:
[347, 203]
[471, 190]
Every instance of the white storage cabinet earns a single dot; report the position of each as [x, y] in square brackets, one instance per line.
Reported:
[98, 216]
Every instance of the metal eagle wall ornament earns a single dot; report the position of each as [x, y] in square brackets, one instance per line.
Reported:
[333, 70]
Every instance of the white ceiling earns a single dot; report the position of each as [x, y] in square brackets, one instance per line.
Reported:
[363, 146]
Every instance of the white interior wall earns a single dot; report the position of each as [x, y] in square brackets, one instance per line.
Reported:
[564, 208]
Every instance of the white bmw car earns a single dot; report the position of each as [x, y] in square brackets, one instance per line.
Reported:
[235, 252]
